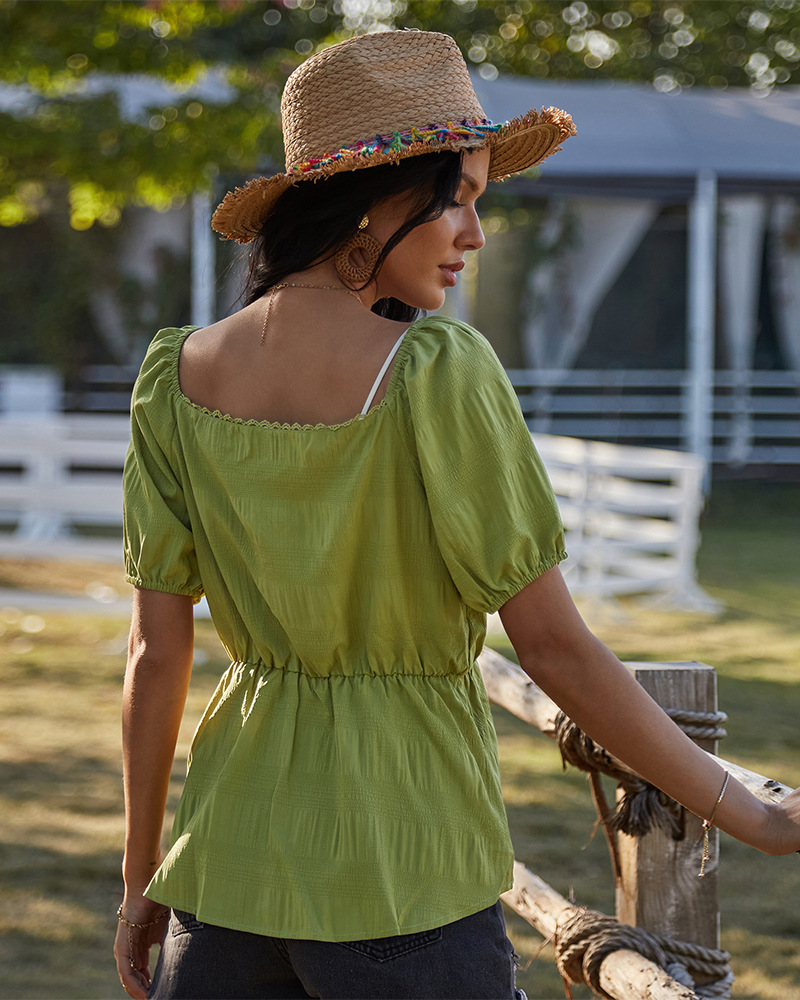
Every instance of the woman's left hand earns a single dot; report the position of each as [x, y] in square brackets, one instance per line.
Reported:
[785, 824]
[132, 945]
[586, 680]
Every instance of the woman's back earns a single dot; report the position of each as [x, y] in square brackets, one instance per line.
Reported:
[348, 567]
[319, 358]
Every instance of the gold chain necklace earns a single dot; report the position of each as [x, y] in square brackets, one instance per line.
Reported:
[291, 284]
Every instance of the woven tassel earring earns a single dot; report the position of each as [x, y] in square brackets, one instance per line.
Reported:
[369, 249]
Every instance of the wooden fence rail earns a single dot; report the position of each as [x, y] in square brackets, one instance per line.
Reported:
[61, 485]
[510, 687]
[756, 414]
[624, 974]
[656, 874]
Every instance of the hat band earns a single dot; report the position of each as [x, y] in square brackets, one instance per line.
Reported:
[398, 142]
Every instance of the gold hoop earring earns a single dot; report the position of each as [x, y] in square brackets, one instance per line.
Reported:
[368, 247]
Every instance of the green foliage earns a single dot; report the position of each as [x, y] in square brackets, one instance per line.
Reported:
[70, 129]
[672, 44]
[67, 134]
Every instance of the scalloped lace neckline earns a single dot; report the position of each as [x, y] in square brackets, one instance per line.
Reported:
[277, 425]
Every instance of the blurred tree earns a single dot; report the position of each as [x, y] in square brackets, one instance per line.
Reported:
[672, 44]
[71, 126]
[68, 132]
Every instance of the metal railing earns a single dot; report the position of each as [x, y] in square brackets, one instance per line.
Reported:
[756, 417]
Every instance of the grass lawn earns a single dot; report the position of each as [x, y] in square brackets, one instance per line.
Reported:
[60, 796]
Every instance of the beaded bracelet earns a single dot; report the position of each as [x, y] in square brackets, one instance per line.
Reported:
[132, 926]
[708, 823]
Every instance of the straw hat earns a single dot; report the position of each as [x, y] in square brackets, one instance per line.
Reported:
[377, 99]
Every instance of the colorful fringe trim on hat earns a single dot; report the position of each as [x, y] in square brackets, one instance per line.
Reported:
[399, 142]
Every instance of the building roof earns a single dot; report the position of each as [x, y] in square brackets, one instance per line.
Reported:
[634, 140]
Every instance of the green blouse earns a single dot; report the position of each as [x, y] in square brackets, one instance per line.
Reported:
[343, 782]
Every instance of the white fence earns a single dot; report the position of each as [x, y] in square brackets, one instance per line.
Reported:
[631, 517]
[61, 485]
[631, 513]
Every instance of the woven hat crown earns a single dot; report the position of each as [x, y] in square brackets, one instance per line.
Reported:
[377, 99]
[374, 85]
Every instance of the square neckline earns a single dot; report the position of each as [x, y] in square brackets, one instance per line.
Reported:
[186, 331]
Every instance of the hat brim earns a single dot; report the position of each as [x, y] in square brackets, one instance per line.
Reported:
[517, 145]
[527, 140]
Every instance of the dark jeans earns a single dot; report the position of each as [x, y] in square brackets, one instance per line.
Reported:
[470, 959]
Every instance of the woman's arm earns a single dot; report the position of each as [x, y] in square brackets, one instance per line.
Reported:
[583, 677]
[156, 681]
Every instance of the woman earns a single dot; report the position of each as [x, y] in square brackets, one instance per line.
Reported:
[353, 491]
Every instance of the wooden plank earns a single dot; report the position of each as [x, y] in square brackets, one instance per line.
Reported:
[69, 498]
[601, 378]
[624, 974]
[658, 887]
[608, 427]
[610, 491]
[599, 454]
[93, 426]
[604, 402]
[610, 403]
[761, 455]
[583, 585]
[635, 529]
[766, 428]
[509, 686]
[99, 400]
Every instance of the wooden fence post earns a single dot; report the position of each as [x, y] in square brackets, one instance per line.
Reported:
[659, 889]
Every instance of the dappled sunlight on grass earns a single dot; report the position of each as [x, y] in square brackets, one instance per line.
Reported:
[61, 824]
[766, 967]
[57, 577]
[29, 913]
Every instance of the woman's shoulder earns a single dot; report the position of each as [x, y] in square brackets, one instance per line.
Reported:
[446, 330]
[440, 346]
[159, 370]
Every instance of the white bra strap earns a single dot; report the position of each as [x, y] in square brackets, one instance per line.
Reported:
[381, 373]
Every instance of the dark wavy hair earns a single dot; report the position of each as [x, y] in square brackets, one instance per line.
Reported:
[310, 221]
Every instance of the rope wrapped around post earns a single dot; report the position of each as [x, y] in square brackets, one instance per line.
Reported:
[585, 938]
[642, 807]
[699, 725]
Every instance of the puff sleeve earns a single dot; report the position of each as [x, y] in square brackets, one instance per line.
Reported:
[493, 510]
[159, 547]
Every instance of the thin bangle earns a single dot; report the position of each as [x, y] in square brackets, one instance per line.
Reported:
[708, 824]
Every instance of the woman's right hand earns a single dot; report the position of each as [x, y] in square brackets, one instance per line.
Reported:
[132, 944]
[156, 681]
